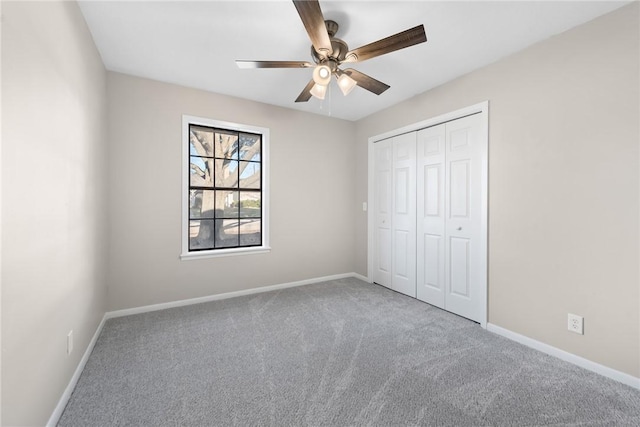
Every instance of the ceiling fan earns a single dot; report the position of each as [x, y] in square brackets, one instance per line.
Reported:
[329, 52]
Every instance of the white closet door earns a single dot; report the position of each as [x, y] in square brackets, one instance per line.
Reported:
[463, 224]
[430, 161]
[383, 152]
[403, 221]
[430, 215]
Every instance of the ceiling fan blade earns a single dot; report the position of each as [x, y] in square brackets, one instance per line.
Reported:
[392, 43]
[273, 64]
[305, 95]
[313, 21]
[366, 82]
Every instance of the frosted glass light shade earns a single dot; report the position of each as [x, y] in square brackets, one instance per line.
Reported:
[322, 75]
[318, 91]
[346, 84]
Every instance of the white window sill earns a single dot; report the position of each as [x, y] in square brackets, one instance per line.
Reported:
[224, 252]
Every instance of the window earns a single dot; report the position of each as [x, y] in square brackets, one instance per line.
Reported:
[224, 201]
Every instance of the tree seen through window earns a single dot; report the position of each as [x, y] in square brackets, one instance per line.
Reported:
[225, 189]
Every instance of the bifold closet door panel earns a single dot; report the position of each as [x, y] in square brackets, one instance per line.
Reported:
[383, 176]
[430, 217]
[463, 224]
[403, 221]
[430, 188]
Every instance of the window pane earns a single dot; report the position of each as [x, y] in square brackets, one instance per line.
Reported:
[226, 145]
[200, 141]
[226, 233]
[227, 205]
[249, 147]
[249, 175]
[226, 173]
[201, 203]
[250, 232]
[201, 172]
[250, 204]
[201, 234]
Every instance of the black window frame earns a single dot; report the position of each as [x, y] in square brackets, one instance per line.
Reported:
[241, 189]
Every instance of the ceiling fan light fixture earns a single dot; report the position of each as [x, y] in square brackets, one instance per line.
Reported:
[346, 84]
[322, 75]
[319, 91]
[329, 53]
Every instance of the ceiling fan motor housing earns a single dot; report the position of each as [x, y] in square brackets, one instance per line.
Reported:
[338, 46]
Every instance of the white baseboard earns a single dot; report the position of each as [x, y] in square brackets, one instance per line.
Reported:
[216, 297]
[605, 371]
[64, 399]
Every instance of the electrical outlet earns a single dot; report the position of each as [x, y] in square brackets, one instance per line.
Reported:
[70, 342]
[364, 206]
[575, 323]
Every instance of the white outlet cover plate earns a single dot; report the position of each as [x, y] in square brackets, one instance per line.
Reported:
[575, 323]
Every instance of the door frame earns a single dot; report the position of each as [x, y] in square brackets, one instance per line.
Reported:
[481, 108]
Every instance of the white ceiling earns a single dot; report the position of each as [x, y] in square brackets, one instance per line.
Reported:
[196, 43]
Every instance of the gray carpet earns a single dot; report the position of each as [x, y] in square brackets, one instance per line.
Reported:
[331, 354]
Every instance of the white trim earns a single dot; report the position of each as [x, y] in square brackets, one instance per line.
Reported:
[216, 297]
[64, 399]
[484, 211]
[185, 254]
[370, 209]
[225, 252]
[566, 356]
[481, 108]
[472, 109]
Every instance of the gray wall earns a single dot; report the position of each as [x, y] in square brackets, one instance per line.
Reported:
[563, 185]
[312, 195]
[53, 202]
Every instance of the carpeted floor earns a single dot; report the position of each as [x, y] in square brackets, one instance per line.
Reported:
[331, 354]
